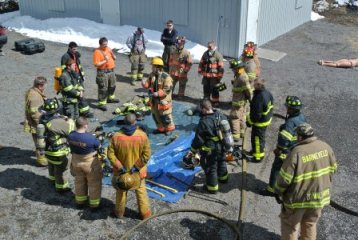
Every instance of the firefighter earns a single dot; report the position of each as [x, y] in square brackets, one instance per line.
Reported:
[160, 86]
[211, 67]
[287, 138]
[34, 99]
[104, 60]
[57, 128]
[241, 94]
[208, 144]
[179, 65]
[129, 151]
[72, 92]
[72, 53]
[85, 165]
[259, 118]
[304, 184]
[137, 44]
[168, 38]
[248, 58]
[253, 46]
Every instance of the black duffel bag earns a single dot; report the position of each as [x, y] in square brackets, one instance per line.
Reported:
[20, 45]
[3, 40]
[34, 47]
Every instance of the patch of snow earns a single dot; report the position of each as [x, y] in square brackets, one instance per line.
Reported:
[86, 33]
[315, 16]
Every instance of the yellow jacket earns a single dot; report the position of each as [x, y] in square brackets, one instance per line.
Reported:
[129, 150]
[34, 99]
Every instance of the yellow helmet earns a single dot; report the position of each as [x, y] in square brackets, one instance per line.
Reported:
[126, 181]
[157, 61]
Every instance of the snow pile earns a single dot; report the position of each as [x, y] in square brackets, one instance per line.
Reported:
[315, 16]
[86, 33]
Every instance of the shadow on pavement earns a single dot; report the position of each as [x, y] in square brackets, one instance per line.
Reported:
[17, 156]
[39, 189]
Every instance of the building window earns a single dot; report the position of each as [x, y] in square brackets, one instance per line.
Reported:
[177, 11]
[56, 5]
[298, 4]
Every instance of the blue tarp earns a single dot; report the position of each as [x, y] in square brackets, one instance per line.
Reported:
[164, 165]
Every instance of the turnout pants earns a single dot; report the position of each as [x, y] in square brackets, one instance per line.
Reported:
[74, 110]
[237, 116]
[214, 166]
[163, 119]
[209, 89]
[275, 169]
[56, 167]
[87, 171]
[40, 158]
[182, 85]
[258, 142]
[300, 220]
[168, 49]
[137, 60]
[142, 201]
[106, 82]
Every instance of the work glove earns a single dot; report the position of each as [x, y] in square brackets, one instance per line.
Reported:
[134, 169]
[278, 199]
[121, 171]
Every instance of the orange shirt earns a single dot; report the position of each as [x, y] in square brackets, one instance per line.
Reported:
[98, 56]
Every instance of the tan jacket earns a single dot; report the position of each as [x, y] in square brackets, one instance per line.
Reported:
[305, 177]
[241, 90]
[129, 150]
[180, 63]
[251, 69]
[163, 84]
[34, 99]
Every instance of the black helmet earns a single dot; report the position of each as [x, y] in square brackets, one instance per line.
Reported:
[235, 63]
[51, 106]
[293, 102]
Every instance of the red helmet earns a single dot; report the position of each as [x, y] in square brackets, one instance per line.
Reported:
[249, 52]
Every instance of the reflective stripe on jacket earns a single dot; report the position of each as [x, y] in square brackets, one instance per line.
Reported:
[211, 66]
[287, 136]
[261, 109]
[33, 100]
[305, 177]
[180, 63]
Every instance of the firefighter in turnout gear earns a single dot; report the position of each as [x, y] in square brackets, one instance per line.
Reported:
[104, 60]
[33, 100]
[179, 65]
[250, 65]
[160, 86]
[85, 165]
[252, 45]
[211, 67]
[72, 92]
[129, 151]
[304, 185]
[241, 94]
[259, 118]
[208, 144]
[287, 138]
[137, 44]
[57, 127]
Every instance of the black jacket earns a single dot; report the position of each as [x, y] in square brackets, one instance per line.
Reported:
[169, 38]
[261, 108]
[206, 134]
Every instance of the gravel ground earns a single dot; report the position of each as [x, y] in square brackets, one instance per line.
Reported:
[32, 210]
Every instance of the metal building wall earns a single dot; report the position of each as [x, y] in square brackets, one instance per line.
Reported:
[277, 17]
[42, 9]
[196, 19]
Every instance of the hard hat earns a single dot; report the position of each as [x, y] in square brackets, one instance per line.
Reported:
[51, 106]
[293, 102]
[221, 86]
[304, 130]
[235, 63]
[126, 181]
[157, 61]
[191, 160]
[181, 40]
[249, 52]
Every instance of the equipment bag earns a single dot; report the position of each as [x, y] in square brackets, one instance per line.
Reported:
[3, 40]
[20, 45]
[35, 47]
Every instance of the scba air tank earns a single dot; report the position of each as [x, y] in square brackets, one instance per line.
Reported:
[226, 135]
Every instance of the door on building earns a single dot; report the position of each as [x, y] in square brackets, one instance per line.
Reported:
[110, 12]
[252, 20]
